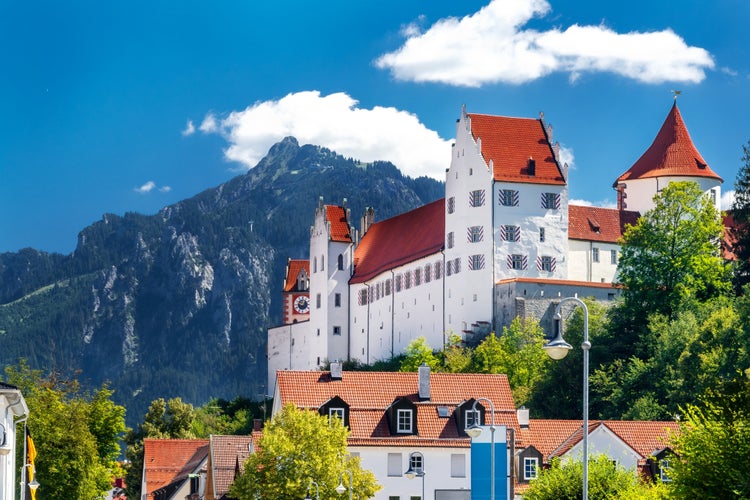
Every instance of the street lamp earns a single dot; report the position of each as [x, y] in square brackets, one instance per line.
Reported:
[557, 348]
[340, 489]
[474, 431]
[317, 491]
[418, 471]
[33, 484]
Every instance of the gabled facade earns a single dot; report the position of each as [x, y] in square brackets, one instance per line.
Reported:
[296, 296]
[503, 243]
[226, 461]
[391, 415]
[12, 408]
[172, 468]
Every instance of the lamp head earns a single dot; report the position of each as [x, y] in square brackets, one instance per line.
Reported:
[340, 489]
[474, 431]
[557, 348]
[33, 485]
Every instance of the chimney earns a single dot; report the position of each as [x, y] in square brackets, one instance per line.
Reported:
[523, 417]
[367, 219]
[257, 425]
[531, 166]
[337, 370]
[424, 382]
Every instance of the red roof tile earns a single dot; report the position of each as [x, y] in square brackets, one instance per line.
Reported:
[598, 224]
[293, 269]
[400, 240]
[510, 142]
[369, 394]
[227, 454]
[164, 459]
[671, 154]
[336, 217]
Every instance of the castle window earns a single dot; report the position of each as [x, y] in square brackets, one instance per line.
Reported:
[337, 300]
[317, 301]
[427, 273]
[449, 244]
[418, 276]
[456, 265]
[476, 198]
[476, 262]
[322, 262]
[613, 256]
[546, 263]
[541, 234]
[510, 233]
[398, 282]
[595, 254]
[407, 280]
[509, 197]
[341, 262]
[315, 264]
[474, 234]
[451, 204]
[362, 297]
[517, 261]
[550, 200]
[438, 268]
[337, 330]
[388, 287]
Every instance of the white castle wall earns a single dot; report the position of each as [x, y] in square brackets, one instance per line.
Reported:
[582, 265]
[641, 192]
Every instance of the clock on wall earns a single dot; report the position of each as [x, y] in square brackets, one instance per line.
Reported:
[302, 304]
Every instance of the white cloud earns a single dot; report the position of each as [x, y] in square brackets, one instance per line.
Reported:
[336, 122]
[150, 186]
[727, 199]
[145, 188]
[586, 203]
[566, 156]
[491, 46]
[189, 128]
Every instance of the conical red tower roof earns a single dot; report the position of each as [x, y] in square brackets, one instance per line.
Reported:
[671, 154]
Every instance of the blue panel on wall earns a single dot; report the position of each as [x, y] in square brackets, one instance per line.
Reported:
[481, 460]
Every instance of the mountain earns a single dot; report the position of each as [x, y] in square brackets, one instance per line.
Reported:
[178, 303]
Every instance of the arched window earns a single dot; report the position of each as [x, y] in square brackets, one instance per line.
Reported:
[341, 262]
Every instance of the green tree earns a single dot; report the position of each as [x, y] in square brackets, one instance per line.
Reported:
[713, 445]
[76, 434]
[419, 352]
[298, 446]
[455, 358]
[606, 482]
[171, 419]
[673, 252]
[741, 215]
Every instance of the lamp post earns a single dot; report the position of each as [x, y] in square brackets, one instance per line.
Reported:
[413, 472]
[340, 489]
[474, 431]
[557, 348]
[317, 491]
[33, 484]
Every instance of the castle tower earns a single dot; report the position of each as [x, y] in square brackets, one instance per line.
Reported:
[671, 157]
[295, 305]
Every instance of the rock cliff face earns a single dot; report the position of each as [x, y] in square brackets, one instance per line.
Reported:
[178, 303]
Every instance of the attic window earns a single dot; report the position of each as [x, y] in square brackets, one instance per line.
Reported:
[443, 412]
[594, 226]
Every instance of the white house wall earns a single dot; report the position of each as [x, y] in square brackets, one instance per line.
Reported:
[603, 441]
[293, 347]
[386, 317]
[437, 468]
[582, 265]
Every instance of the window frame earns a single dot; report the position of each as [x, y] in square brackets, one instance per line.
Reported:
[530, 468]
[404, 421]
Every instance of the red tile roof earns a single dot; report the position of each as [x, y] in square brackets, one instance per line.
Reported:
[671, 154]
[369, 394]
[228, 453]
[400, 240]
[598, 224]
[293, 269]
[336, 217]
[556, 437]
[164, 459]
[510, 142]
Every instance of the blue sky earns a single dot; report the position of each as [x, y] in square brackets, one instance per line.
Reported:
[111, 107]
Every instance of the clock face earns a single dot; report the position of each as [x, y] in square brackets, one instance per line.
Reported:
[302, 304]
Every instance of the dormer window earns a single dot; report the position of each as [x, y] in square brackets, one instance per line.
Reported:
[335, 408]
[471, 418]
[337, 412]
[404, 421]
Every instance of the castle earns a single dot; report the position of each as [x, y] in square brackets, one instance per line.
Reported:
[502, 243]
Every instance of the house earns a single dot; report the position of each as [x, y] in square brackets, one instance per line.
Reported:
[640, 446]
[503, 242]
[13, 410]
[392, 415]
[226, 460]
[173, 468]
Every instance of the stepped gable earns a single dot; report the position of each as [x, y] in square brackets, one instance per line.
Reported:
[671, 154]
[293, 268]
[400, 240]
[336, 217]
[598, 224]
[510, 142]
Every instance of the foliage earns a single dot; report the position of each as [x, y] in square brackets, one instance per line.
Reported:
[76, 434]
[455, 357]
[564, 480]
[298, 446]
[222, 417]
[417, 353]
[741, 215]
[714, 445]
[673, 252]
[164, 419]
